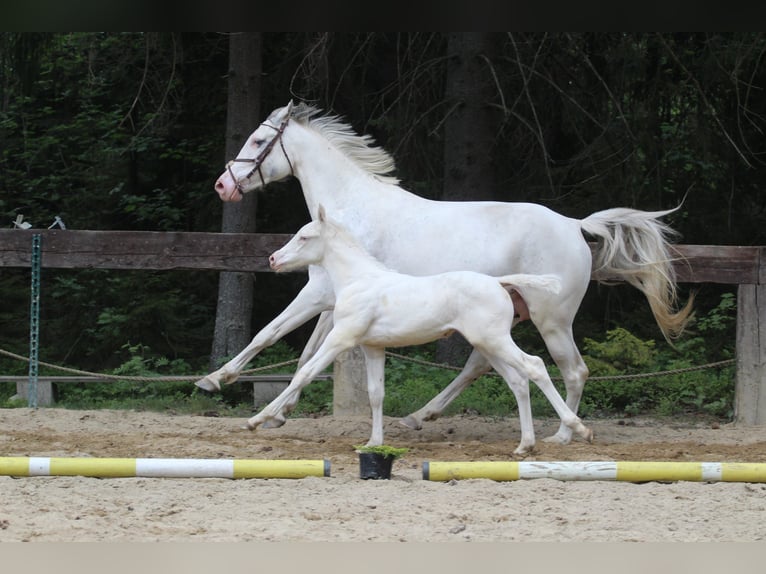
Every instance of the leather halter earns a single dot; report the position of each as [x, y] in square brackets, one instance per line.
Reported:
[259, 159]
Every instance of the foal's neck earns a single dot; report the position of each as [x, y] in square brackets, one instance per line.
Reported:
[346, 260]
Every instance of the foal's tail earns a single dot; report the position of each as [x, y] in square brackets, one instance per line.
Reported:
[522, 281]
[634, 246]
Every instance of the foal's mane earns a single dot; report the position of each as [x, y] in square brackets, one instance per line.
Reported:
[359, 149]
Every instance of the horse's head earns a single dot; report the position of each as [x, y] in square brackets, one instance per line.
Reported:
[258, 163]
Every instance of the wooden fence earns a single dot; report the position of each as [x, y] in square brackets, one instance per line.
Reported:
[733, 265]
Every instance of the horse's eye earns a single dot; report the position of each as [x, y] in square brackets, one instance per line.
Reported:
[258, 142]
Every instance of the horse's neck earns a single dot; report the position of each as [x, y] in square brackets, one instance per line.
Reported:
[345, 261]
[333, 180]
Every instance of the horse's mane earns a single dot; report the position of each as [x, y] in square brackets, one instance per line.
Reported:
[359, 149]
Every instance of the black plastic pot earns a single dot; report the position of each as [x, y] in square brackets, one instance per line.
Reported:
[374, 465]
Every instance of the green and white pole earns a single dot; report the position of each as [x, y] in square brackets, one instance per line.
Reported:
[34, 322]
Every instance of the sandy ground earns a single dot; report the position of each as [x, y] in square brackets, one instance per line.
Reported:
[344, 508]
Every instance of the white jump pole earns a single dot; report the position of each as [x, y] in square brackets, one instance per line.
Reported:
[598, 470]
[162, 467]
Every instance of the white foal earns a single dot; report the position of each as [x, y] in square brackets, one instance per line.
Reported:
[378, 308]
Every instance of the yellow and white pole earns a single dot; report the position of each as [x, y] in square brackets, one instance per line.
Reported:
[162, 467]
[598, 470]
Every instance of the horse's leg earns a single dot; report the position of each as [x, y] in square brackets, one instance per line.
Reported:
[315, 297]
[273, 414]
[476, 366]
[564, 352]
[322, 328]
[375, 360]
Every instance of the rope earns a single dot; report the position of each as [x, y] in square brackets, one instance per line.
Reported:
[142, 379]
[138, 378]
[598, 378]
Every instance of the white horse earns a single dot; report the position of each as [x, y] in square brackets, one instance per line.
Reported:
[348, 175]
[376, 307]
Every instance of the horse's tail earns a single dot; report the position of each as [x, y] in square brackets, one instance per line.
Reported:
[522, 281]
[634, 246]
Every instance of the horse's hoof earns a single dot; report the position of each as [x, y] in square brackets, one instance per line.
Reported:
[208, 384]
[558, 439]
[411, 422]
[229, 378]
[588, 436]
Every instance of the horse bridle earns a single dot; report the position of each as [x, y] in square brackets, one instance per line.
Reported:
[258, 161]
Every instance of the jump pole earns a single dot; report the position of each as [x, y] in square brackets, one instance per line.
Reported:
[162, 467]
[598, 470]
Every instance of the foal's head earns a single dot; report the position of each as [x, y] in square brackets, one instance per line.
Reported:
[307, 247]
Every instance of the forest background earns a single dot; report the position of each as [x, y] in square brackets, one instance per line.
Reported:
[128, 131]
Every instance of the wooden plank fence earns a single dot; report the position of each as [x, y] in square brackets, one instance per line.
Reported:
[733, 265]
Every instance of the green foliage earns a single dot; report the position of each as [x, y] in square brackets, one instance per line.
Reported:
[706, 391]
[141, 362]
[383, 450]
[618, 353]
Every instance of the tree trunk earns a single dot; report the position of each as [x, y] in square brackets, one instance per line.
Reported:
[469, 130]
[235, 290]
[469, 134]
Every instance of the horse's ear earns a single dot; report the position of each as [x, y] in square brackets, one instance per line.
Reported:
[322, 214]
[279, 115]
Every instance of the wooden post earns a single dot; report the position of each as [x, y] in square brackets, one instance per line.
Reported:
[750, 390]
[350, 385]
[44, 392]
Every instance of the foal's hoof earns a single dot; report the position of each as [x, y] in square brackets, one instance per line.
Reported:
[524, 450]
[256, 421]
[411, 422]
[274, 422]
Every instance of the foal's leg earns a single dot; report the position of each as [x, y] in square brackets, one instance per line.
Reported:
[375, 360]
[475, 367]
[273, 414]
[315, 297]
[520, 388]
[534, 368]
